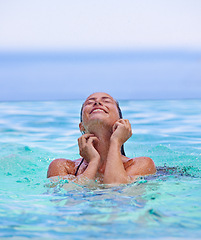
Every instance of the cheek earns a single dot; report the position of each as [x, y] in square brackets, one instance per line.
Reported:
[85, 113]
[115, 116]
[116, 113]
[84, 117]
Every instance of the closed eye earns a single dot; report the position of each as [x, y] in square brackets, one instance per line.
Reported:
[107, 100]
[103, 99]
[89, 102]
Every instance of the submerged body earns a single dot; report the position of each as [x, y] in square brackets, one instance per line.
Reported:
[104, 133]
[66, 169]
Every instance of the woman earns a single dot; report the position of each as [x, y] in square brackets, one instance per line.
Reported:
[101, 147]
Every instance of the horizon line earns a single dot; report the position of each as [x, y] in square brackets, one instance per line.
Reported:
[102, 50]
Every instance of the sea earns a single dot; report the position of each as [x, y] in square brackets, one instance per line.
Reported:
[166, 205]
[124, 74]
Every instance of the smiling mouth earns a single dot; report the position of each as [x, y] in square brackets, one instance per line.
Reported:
[97, 110]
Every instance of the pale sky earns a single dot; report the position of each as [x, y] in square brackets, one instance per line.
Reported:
[103, 24]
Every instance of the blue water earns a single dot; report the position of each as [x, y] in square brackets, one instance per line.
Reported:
[164, 74]
[164, 206]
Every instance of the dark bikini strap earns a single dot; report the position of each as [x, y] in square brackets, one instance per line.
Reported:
[79, 166]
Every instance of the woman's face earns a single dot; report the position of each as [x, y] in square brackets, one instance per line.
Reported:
[99, 107]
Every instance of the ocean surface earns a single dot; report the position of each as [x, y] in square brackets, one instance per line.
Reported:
[164, 206]
[151, 74]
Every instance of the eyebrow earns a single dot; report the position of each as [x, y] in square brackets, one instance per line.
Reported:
[94, 98]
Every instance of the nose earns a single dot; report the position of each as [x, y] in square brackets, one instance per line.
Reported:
[97, 103]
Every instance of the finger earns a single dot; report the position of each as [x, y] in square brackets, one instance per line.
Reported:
[87, 135]
[123, 121]
[118, 123]
[93, 140]
[80, 142]
[128, 126]
[127, 123]
[114, 126]
[83, 139]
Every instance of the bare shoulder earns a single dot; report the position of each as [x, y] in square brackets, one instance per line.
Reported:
[61, 167]
[141, 166]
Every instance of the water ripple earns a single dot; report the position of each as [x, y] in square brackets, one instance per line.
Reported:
[167, 204]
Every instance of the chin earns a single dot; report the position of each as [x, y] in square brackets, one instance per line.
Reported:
[98, 122]
[97, 117]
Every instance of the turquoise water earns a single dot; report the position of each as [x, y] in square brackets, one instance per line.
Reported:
[164, 206]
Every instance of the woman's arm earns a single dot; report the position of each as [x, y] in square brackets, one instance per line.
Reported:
[65, 168]
[115, 172]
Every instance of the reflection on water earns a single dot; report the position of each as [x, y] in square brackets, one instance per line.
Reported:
[165, 204]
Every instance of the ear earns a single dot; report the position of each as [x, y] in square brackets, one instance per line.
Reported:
[82, 129]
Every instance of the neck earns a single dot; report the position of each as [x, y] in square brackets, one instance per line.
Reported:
[103, 133]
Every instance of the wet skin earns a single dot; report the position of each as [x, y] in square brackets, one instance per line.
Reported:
[104, 134]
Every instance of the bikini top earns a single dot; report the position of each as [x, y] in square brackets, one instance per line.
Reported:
[79, 166]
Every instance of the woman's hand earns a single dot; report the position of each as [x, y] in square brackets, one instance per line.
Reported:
[121, 131]
[86, 146]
